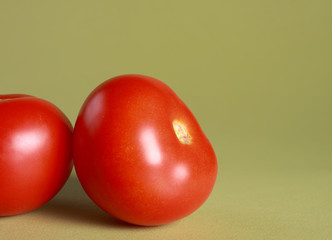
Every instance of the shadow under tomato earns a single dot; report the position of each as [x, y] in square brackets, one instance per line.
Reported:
[72, 204]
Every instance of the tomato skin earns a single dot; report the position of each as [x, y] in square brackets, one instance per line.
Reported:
[35, 152]
[129, 159]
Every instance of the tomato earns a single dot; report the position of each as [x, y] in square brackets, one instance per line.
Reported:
[140, 154]
[35, 152]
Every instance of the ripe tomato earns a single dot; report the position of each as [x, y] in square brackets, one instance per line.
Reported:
[140, 154]
[35, 153]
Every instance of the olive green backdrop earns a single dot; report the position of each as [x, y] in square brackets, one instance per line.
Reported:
[256, 74]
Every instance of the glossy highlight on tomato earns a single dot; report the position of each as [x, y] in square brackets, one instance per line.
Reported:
[140, 154]
[35, 152]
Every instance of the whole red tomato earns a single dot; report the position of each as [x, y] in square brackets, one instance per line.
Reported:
[35, 153]
[140, 154]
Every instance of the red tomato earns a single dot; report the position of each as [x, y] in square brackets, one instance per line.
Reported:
[35, 153]
[140, 154]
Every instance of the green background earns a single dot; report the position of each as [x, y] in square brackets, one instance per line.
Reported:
[256, 74]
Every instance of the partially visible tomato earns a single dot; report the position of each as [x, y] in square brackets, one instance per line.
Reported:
[35, 153]
[140, 154]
